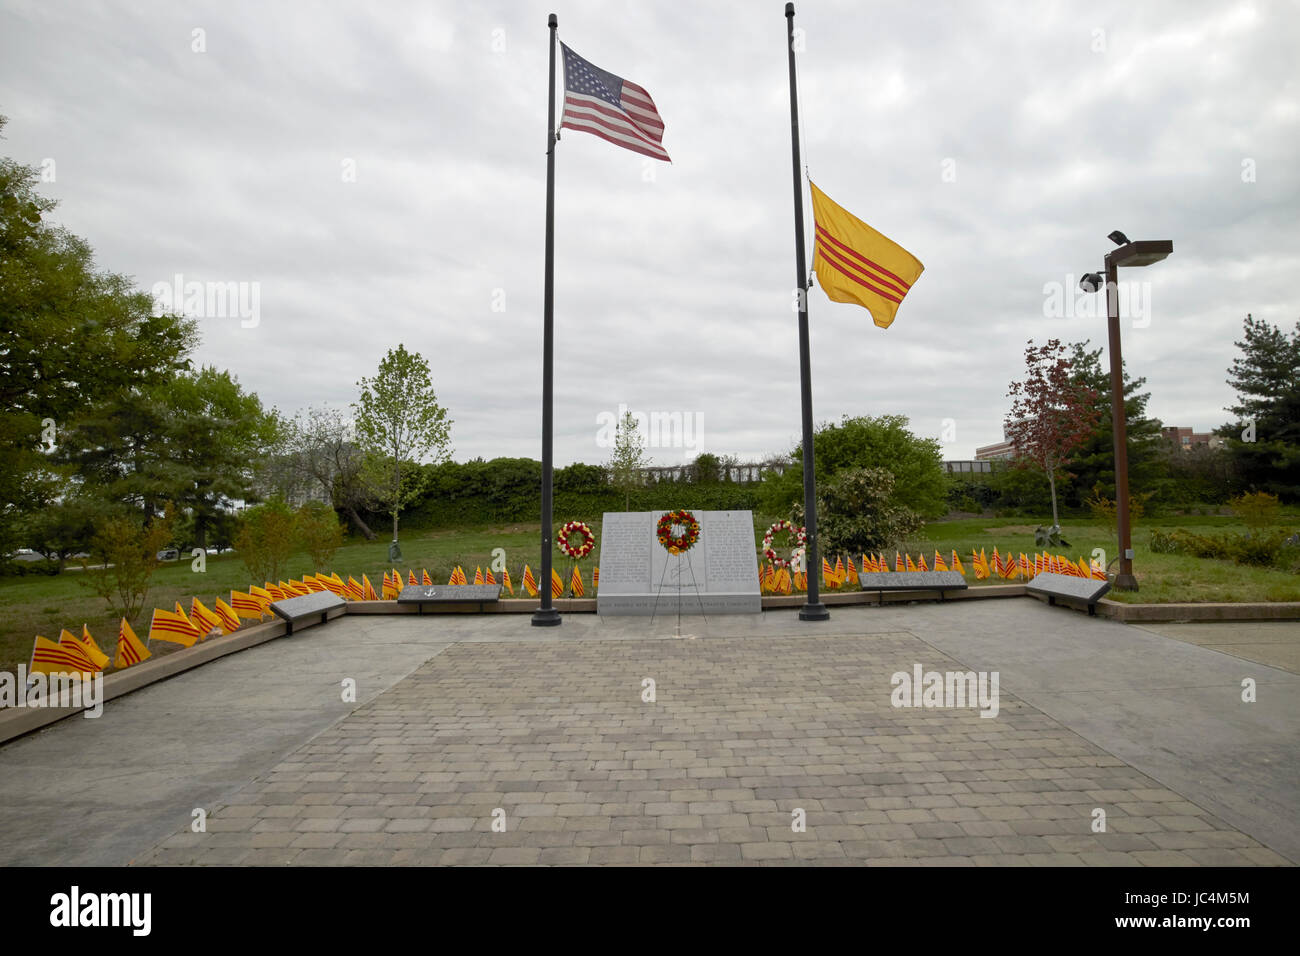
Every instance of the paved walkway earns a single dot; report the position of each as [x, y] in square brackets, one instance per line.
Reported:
[461, 720]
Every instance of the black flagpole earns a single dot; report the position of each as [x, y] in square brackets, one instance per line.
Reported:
[546, 615]
[813, 610]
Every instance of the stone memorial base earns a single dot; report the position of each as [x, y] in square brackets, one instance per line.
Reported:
[719, 575]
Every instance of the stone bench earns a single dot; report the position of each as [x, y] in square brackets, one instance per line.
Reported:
[1069, 589]
[308, 607]
[422, 594]
[940, 581]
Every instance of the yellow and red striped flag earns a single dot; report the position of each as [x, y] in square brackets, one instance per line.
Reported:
[1026, 569]
[595, 577]
[292, 590]
[428, 581]
[488, 577]
[68, 641]
[840, 576]
[130, 650]
[828, 573]
[202, 618]
[575, 583]
[505, 580]
[173, 627]
[411, 578]
[478, 575]
[856, 264]
[368, 589]
[226, 614]
[956, 563]
[530, 583]
[51, 658]
[557, 584]
[461, 578]
[801, 581]
[92, 649]
[392, 590]
[939, 563]
[980, 563]
[852, 571]
[274, 591]
[262, 596]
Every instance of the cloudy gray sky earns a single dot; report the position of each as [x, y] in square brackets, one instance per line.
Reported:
[998, 142]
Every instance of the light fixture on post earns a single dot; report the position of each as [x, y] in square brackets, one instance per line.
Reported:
[1130, 255]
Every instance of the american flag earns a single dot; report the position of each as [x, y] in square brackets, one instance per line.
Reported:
[610, 107]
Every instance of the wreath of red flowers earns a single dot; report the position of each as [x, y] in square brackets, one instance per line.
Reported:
[678, 544]
[799, 534]
[582, 550]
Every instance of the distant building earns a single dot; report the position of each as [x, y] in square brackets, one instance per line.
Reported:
[1004, 450]
[982, 466]
[1185, 438]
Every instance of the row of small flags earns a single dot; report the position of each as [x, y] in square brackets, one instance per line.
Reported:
[81, 655]
[393, 587]
[774, 580]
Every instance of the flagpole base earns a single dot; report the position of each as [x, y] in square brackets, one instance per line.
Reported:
[814, 612]
[546, 617]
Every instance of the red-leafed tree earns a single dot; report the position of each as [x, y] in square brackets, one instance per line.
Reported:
[1050, 415]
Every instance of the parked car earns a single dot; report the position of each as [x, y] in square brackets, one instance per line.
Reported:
[169, 554]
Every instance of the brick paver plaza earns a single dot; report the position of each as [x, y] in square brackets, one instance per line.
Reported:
[477, 739]
[552, 739]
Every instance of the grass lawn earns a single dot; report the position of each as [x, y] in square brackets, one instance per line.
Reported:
[43, 605]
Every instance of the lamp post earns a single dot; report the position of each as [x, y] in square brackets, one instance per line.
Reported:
[1130, 254]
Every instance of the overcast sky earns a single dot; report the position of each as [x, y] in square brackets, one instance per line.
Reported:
[997, 142]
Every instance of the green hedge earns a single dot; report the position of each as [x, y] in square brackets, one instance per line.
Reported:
[505, 490]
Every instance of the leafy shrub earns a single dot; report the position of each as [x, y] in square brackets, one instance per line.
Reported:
[1256, 511]
[265, 540]
[855, 513]
[319, 532]
[127, 552]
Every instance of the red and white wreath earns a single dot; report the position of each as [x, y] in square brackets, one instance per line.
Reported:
[576, 551]
[799, 535]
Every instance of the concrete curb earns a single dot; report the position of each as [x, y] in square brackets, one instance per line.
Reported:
[17, 721]
[1119, 611]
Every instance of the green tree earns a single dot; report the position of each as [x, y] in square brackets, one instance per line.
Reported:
[216, 434]
[399, 423]
[628, 459]
[266, 539]
[71, 337]
[706, 469]
[1093, 461]
[126, 548]
[196, 439]
[856, 513]
[319, 532]
[1264, 441]
[865, 442]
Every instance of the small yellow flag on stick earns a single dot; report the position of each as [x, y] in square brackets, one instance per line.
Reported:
[51, 658]
[858, 265]
[92, 649]
[129, 648]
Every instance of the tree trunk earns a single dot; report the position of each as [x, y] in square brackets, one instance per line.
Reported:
[397, 491]
[1051, 480]
[361, 525]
